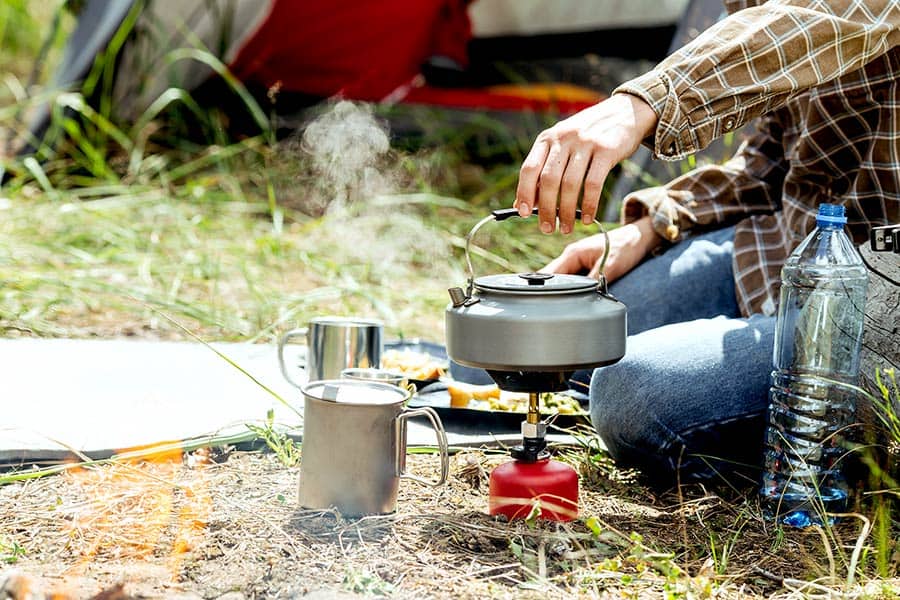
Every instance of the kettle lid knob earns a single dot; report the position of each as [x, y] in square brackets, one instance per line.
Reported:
[536, 278]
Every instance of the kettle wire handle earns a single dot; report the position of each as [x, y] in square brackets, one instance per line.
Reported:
[503, 214]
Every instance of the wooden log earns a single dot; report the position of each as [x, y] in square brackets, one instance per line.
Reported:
[881, 346]
[881, 340]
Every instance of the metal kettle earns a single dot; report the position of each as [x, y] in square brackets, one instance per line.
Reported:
[531, 330]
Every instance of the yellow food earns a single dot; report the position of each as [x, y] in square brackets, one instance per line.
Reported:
[490, 397]
[415, 365]
[463, 393]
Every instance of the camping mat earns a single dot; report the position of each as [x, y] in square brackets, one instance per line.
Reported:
[63, 397]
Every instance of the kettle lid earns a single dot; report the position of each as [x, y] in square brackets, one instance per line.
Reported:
[536, 283]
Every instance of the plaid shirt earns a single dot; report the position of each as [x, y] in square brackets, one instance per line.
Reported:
[822, 76]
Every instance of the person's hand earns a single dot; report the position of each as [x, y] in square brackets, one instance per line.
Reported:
[628, 245]
[579, 152]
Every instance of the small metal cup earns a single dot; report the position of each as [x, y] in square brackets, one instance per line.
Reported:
[381, 375]
[334, 344]
[354, 446]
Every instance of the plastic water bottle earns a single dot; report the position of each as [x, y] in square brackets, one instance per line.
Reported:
[817, 347]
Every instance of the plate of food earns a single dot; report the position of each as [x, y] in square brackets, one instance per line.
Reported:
[492, 408]
[423, 363]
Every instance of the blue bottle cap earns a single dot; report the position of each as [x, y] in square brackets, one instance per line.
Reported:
[830, 215]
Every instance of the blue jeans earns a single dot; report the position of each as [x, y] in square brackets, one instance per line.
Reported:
[688, 400]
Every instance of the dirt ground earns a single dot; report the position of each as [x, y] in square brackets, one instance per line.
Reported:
[226, 524]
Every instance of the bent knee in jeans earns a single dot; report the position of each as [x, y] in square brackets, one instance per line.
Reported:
[688, 400]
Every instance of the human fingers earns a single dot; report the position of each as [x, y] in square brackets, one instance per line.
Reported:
[567, 262]
[593, 189]
[578, 256]
[617, 264]
[529, 174]
[595, 270]
[548, 186]
[572, 179]
[626, 253]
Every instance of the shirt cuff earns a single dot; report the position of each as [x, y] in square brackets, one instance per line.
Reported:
[675, 137]
[667, 216]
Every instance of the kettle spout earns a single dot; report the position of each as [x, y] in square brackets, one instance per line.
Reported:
[457, 296]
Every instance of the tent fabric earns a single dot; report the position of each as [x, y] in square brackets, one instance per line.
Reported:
[361, 50]
[145, 69]
[561, 98]
[296, 52]
[143, 72]
[97, 23]
[495, 18]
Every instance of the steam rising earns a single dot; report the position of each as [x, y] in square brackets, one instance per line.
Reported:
[348, 148]
[358, 181]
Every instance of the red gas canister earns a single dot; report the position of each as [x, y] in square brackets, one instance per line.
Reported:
[517, 486]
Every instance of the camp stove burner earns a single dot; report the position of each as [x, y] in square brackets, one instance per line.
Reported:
[531, 381]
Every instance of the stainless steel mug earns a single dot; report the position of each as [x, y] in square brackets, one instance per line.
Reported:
[334, 344]
[381, 375]
[354, 446]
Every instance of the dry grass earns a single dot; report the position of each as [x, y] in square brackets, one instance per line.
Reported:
[207, 525]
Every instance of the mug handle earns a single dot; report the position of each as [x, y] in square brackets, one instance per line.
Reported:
[441, 439]
[282, 341]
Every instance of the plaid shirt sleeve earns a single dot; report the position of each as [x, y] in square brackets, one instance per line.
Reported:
[752, 62]
[717, 195]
